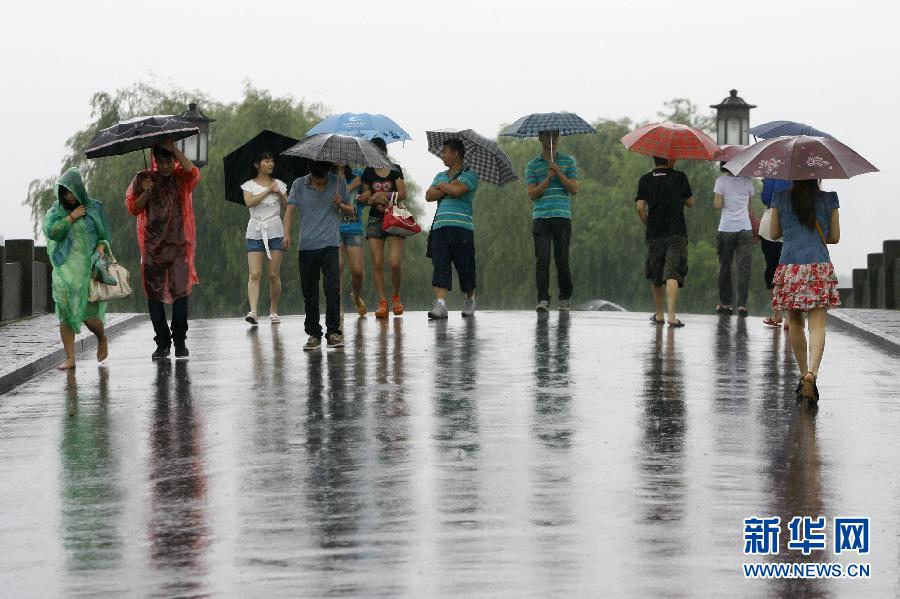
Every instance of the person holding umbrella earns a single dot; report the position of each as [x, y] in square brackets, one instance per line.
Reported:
[264, 196]
[162, 200]
[452, 241]
[319, 198]
[351, 238]
[552, 179]
[76, 229]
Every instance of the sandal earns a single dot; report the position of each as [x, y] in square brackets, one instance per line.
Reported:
[772, 323]
[743, 312]
[809, 390]
[676, 324]
[724, 310]
[655, 320]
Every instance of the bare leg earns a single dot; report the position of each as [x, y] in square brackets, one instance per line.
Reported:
[396, 257]
[275, 281]
[440, 293]
[355, 256]
[659, 298]
[798, 339]
[671, 297]
[255, 262]
[377, 248]
[816, 319]
[68, 340]
[95, 325]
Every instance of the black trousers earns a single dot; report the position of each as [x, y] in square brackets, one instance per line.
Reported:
[161, 326]
[558, 233]
[312, 263]
[772, 251]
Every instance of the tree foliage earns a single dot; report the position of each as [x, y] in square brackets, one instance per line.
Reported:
[607, 252]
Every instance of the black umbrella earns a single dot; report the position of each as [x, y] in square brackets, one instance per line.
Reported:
[138, 134]
[239, 163]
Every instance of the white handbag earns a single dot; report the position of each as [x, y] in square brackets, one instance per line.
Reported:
[101, 292]
[765, 225]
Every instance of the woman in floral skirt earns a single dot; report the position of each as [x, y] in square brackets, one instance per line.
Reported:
[805, 283]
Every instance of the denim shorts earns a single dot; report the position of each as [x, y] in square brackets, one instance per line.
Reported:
[374, 231]
[256, 245]
[351, 239]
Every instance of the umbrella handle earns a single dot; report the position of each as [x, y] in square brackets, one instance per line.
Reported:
[144, 154]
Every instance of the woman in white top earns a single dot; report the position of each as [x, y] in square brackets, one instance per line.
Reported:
[265, 197]
[734, 238]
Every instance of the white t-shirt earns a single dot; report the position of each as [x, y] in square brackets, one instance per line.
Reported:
[265, 217]
[736, 191]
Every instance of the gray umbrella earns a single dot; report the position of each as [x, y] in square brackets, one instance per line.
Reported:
[340, 149]
[483, 155]
[532, 125]
[793, 158]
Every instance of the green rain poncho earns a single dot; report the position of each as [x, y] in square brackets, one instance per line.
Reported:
[70, 246]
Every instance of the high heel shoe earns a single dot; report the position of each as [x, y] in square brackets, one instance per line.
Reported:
[808, 388]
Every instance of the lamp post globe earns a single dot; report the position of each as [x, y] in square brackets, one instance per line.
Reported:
[196, 147]
[732, 120]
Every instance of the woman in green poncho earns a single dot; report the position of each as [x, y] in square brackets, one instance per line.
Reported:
[75, 228]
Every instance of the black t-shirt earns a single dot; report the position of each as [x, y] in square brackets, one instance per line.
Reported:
[664, 190]
[377, 183]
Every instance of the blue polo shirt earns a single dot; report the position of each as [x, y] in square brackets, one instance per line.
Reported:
[554, 203]
[319, 218]
[456, 212]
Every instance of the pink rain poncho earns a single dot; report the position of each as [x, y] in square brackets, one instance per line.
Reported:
[166, 233]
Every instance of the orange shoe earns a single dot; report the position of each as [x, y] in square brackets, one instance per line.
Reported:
[398, 307]
[381, 312]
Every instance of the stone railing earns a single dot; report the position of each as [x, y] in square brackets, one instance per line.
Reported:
[25, 287]
[878, 284]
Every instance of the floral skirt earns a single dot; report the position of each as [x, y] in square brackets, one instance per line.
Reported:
[804, 287]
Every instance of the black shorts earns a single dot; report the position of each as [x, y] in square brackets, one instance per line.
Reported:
[453, 246]
[667, 258]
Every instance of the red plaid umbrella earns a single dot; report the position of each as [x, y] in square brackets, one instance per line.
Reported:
[673, 141]
[729, 151]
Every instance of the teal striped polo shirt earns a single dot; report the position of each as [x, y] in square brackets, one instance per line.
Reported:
[555, 201]
[456, 212]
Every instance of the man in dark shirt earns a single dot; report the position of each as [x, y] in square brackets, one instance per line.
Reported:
[661, 197]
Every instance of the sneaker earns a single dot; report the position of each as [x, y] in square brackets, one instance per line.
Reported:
[161, 353]
[542, 306]
[381, 312]
[181, 351]
[335, 340]
[398, 307]
[438, 311]
[469, 307]
[274, 319]
[312, 343]
[564, 305]
[360, 304]
[252, 318]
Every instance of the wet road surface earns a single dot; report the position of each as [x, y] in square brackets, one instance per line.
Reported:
[502, 456]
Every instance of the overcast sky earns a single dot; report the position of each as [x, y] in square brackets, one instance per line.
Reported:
[468, 64]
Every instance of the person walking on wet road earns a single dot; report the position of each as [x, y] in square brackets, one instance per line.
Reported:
[265, 197]
[661, 197]
[77, 231]
[733, 239]
[552, 179]
[319, 199]
[452, 240]
[805, 283]
[162, 200]
[351, 230]
[771, 248]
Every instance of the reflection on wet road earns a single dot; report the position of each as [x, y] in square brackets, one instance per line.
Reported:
[509, 455]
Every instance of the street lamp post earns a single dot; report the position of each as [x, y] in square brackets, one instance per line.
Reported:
[732, 120]
[196, 147]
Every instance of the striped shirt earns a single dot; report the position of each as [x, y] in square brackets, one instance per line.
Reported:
[456, 212]
[554, 203]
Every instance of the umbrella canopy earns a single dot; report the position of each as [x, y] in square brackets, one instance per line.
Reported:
[729, 151]
[362, 124]
[672, 141]
[483, 155]
[340, 149]
[782, 128]
[238, 165]
[800, 157]
[531, 125]
[137, 134]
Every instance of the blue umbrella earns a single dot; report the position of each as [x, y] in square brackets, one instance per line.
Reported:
[362, 124]
[531, 125]
[782, 128]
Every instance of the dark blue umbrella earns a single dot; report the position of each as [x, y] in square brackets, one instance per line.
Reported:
[782, 128]
[531, 125]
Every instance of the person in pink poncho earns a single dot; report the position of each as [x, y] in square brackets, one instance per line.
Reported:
[161, 199]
